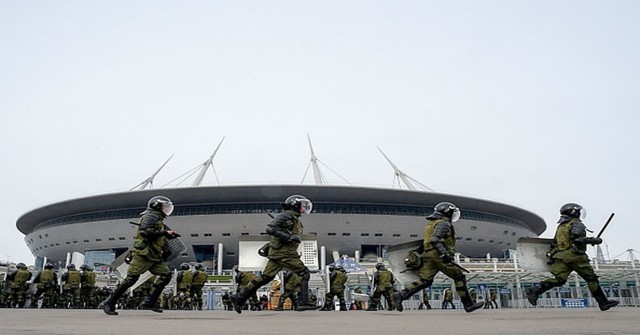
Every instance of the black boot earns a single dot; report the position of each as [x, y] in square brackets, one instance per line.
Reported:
[373, 307]
[532, 295]
[602, 300]
[468, 304]
[150, 302]
[405, 294]
[109, 304]
[327, 307]
[534, 292]
[303, 302]
[343, 306]
[238, 300]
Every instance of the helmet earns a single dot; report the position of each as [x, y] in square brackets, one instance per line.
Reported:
[71, 266]
[21, 266]
[573, 210]
[380, 266]
[449, 210]
[161, 203]
[298, 203]
[199, 266]
[185, 266]
[84, 267]
[48, 266]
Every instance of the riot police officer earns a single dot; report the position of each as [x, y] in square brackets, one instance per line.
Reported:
[197, 283]
[437, 256]
[148, 255]
[71, 287]
[184, 278]
[337, 284]
[19, 285]
[383, 286]
[87, 286]
[568, 253]
[285, 231]
[46, 281]
[243, 278]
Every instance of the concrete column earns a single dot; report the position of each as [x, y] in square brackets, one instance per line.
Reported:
[323, 257]
[220, 258]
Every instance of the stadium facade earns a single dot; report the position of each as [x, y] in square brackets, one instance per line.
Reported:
[349, 220]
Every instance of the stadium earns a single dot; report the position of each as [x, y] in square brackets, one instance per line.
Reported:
[346, 220]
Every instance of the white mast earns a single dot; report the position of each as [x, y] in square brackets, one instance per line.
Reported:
[317, 173]
[205, 166]
[149, 181]
[401, 176]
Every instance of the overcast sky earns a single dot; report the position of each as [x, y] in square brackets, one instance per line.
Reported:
[530, 103]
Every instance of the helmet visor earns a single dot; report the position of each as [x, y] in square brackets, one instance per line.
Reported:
[583, 213]
[456, 215]
[167, 208]
[305, 206]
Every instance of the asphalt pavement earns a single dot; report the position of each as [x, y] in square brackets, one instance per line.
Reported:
[619, 321]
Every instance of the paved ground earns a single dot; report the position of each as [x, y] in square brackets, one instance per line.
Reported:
[619, 321]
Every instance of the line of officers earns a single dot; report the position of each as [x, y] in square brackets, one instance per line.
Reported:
[77, 289]
[384, 285]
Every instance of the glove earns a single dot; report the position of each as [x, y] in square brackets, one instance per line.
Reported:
[170, 234]
[446, 258]
[295, 238]
[593, 240]
[549, 258]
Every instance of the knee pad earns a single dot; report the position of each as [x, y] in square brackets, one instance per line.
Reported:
[305, 275]
[130, 280]
[163, 280]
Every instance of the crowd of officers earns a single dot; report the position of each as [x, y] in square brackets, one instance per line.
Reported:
[74, 289]
[77, 289]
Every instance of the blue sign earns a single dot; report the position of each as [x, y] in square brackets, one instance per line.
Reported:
[349, 265]
[482, 287]
[574, 303]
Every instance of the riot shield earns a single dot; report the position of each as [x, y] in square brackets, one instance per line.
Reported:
[174, 248]
[532, 253]
[396, 254]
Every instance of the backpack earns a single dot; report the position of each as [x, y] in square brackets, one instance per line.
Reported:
[413, 261]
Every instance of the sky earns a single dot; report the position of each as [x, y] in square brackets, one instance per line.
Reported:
[529, 103]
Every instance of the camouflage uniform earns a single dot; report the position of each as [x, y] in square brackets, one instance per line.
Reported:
[184, 278]
[447, 300]
[19, 286]
[243, 279]
[46, 283]
[439, 242]
[199, 279]
[383, 282]
[285, 230]
[88, 287]
[148, 256]
[338, 279]
[71, 287]
[567, 254]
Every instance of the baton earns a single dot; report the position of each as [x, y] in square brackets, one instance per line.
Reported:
[460, 267]
[605, 225]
